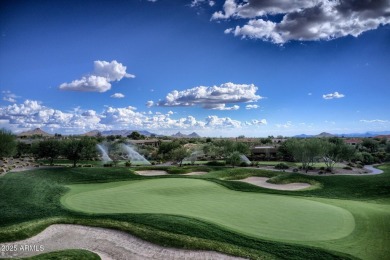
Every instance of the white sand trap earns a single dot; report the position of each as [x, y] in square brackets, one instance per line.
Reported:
[262, 182]
[195, 173]
[107, 243]
[151, 173]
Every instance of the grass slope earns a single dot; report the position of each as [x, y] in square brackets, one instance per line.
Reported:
[71, 254]
[30, 201]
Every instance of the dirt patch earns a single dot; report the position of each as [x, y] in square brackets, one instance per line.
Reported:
[107, 243]
[195, 173]
[151, 173]
[262, 182]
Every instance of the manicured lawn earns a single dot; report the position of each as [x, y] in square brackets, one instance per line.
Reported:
[258, 215]
[30, 201]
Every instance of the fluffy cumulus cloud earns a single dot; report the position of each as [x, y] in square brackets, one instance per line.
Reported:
[333, 95]
[9, 96]
[222, 122]
[149, 103]
[100, 79]
[215, 97]
[118, 95]
[32, 114]
[304, 20]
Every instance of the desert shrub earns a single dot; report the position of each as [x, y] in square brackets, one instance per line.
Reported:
[244, 164]
[281, 166]
[216, 163]
[128, 164]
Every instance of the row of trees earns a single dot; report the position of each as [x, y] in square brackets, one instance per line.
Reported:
[308, 151]
[73, 149]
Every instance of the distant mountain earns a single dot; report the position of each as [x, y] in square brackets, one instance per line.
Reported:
[193, 135]
[91, 133]
[361, 135]
[35, 132]
[180, 135]
[303, 136]
[367, 134]
[127, 132]
[324, 134]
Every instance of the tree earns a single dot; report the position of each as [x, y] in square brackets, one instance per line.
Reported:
[49, 149]
[306, 151]
[284, 153]
[335, 150]
[72, 150]
[115, 152]
[370, 144]
[7, 143]
[89, 148]
[179, 154]
[234, 158]
[78, 149]
[22, 149]
[210, 150]
[136, 136]
[166, 147]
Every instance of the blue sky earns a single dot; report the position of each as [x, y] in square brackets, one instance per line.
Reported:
[219, 68]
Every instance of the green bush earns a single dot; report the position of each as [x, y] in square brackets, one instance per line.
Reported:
[244, 164]
[128, 164]
[216, 163]
[281, 166]
[347, 168]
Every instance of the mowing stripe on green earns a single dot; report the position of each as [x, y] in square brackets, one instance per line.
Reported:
[259, 215]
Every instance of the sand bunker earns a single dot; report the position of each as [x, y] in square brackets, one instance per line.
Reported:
[262, 182]
[195, 173]
[107, 243]
[151, 173]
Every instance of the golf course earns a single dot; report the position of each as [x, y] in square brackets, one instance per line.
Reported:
[339, 217]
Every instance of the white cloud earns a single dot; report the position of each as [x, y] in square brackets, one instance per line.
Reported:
[333, 95]
[374, 121]
[221, 107]
[215, 97]
[149, 103]
[33, 114]
[99, 81]
[251, 107]
[288, 124]
[222, 122]
[118, 95]
[305, 20]
[259, 122]
[195, 3]
[9, 96]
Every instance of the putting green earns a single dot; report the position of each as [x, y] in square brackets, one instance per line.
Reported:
[259, 215]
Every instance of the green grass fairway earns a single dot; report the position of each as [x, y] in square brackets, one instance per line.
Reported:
[260, 215]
